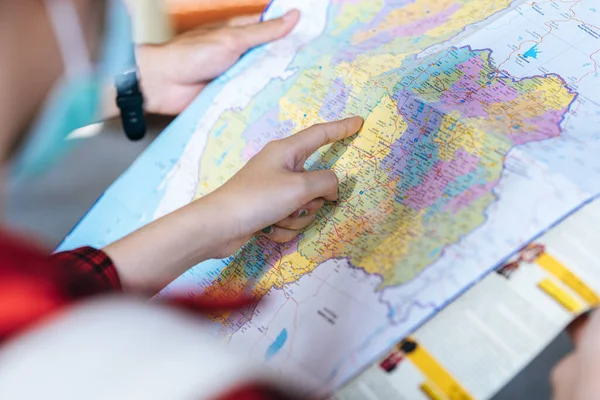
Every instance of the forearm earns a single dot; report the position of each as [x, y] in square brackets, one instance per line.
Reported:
[155, 255]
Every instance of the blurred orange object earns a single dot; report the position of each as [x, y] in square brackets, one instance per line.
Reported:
[188, 14]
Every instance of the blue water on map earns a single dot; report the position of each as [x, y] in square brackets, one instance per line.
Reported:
[277, 344]
[532, 52]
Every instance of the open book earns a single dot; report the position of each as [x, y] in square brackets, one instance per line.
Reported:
[481, 132]
[478, 343]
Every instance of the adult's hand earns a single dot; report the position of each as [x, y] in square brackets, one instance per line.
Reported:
[173, 74]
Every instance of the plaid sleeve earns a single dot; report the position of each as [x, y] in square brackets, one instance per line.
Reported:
[92, 270]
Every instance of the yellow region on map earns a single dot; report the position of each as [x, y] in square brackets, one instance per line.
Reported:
[422, 171]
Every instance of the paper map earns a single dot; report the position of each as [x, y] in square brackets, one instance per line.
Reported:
[482, 128]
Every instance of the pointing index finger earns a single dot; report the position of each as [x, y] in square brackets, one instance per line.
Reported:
[310, 140]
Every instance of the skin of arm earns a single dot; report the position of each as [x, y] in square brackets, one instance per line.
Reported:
[218, 224]
[172, 74]
[155, 255]
[152, 257]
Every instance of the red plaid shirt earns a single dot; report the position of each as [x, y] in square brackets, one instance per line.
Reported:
[34, 287]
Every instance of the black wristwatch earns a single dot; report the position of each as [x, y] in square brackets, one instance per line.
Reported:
[131, 103]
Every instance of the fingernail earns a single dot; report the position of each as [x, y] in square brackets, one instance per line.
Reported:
[268, 230]
[302, 213]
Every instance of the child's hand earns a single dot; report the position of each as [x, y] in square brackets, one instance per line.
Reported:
[273, 194]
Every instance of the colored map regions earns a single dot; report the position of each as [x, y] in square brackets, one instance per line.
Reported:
[421, 173]
[460, 163]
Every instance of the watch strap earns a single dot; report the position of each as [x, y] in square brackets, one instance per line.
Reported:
[131, 104]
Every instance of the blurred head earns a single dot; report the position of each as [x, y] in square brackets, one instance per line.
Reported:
[109, 348]
[51, 68]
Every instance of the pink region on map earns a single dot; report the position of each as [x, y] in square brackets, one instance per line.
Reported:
[469, 196]
[469, 97]
[443, 173]
[539, 128]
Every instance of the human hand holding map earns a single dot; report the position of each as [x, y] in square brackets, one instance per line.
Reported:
[478, 136]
